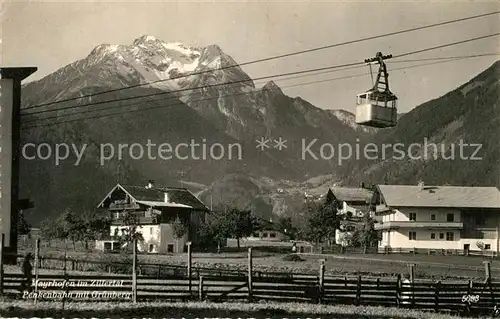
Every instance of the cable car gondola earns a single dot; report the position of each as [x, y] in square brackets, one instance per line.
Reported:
[377, 107]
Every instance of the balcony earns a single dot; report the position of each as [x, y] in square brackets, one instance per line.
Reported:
[414, 224]
[118, 220]
[123, 206]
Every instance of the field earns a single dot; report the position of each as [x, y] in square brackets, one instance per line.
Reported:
[208, 310]
[272, 259]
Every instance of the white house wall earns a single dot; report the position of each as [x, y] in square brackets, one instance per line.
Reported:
[399, 238]
[168, 238]
[151, 235]
[422, 214]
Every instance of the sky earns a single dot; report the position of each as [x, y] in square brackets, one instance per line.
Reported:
[50, 35]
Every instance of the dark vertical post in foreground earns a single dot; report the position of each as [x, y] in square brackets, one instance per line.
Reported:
[189, 267]
[250, 266]
[321, 280]
[412, 282]
[2, 243]
[134, 271]
[200, 288]
[10, 93]
[37, 265]
[487, 270]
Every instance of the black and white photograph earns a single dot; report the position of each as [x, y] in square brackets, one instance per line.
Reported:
[250, 159]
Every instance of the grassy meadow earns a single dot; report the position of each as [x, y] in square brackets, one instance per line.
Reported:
[208, 310]
[273, 259]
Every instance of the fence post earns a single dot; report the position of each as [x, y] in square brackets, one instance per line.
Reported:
[487, 270]
[37, 266]
[321, 280]
[468, 304]
[134, 271]
[436, 296]
[398, 291]
[2, 244]
[189, 267]
[412, 282]
[358, 292]
[200, 289]
[250, 266]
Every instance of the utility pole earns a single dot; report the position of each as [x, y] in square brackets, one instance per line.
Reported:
[10, 154]
[181, 173]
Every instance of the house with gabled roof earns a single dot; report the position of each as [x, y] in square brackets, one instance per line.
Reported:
[156, 209]
[353, 200]
[457, 218]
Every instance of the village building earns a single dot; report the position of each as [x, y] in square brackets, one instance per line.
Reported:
[157, 210]
[268, 231]
[353, 201]
[431, 219]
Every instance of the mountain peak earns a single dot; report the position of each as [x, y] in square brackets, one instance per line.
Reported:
[272, 87]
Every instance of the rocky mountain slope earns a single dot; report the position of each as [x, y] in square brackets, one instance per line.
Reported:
[189, 99]
[183, 103]
[468, 115]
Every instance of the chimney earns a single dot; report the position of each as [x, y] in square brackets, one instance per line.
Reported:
[150, 184]
[167, 198]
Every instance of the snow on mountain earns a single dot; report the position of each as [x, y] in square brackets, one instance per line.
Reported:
[350, 119]
[168, 65]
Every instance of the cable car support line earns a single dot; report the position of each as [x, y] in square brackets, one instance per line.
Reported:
[278, 57]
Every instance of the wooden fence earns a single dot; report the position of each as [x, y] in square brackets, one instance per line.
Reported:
[439, 296]
[219, 285]
[433, 251]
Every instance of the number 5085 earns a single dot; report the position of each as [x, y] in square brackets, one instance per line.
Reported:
[470, 298]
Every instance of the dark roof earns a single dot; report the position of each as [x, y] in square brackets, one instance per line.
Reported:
[351, 194]
[440, 196]
[157, 194]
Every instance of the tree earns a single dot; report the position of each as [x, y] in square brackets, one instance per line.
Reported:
[23, 227]
[91, 226]
[285, 226]
[179, 228]
[48, 230]
[368, 236]
[130, 224]
[235, 223]
[70, 225]
[211, 233]
[323, 220]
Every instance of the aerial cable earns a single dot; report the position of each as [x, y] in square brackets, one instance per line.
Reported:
[212, 98]
[277, 57]
[262, 78]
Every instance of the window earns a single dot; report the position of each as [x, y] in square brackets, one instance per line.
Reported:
[412, 235]
[433, 236]
[487, 246]
[449, 236]
[151, 230]
[441, 236]
[450, 217]
[413, 216]
[272, 235]
[264, 235]
[170, 248]
[433, 216]
[151, 248]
